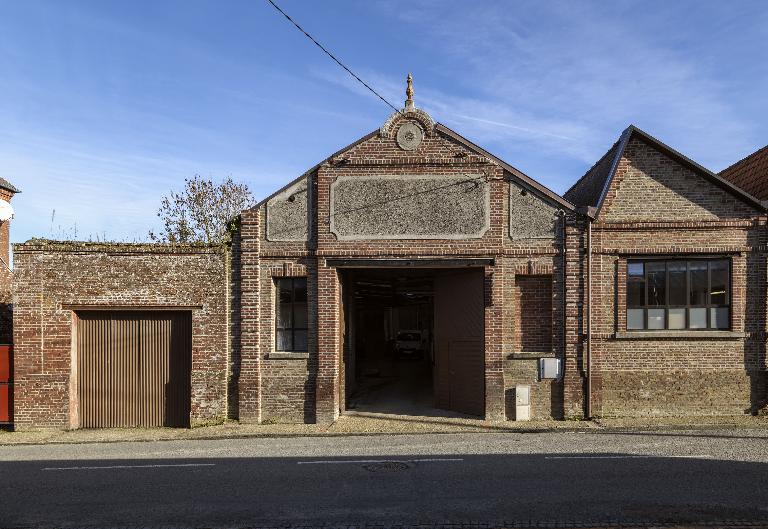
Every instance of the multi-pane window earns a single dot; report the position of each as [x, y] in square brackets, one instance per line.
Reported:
[291, 314]
[679, 294]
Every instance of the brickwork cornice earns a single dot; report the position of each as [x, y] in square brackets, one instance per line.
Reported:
[468, 160]
[677, 250]
[690, 225]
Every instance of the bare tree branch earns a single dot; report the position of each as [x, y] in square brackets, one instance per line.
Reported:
[201, 212]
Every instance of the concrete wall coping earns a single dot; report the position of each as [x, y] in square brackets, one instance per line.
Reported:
[522, 355]
[666, 335]
[46, 245]
[287, 355]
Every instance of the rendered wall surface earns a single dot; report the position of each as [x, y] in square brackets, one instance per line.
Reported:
[288, 214]
[530, 217]
[409, 207]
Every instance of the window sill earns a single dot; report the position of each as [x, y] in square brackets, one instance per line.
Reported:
[288, 355]
[664, 335]
[521, 355]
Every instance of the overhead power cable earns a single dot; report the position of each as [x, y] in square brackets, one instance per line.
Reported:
[337, 61]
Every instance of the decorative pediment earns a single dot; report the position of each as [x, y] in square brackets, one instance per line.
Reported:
[405, 133]
[390, 127]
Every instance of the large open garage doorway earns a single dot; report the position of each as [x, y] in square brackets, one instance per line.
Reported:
[414, 341]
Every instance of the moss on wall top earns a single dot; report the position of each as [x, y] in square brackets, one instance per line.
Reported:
[48, 245]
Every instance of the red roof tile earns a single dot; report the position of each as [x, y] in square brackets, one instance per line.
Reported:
[750, 174]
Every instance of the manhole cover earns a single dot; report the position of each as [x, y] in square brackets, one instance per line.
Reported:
[386, 466]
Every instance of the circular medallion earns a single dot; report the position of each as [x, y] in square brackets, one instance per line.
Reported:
[409, 136]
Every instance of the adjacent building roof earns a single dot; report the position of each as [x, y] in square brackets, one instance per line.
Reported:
[590, 189]
[750, 173]
[5, 184]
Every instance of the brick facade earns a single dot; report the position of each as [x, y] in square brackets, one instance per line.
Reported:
[6, 275]
[53, 279]
[656, 206]
[309, 387]
[554, 284]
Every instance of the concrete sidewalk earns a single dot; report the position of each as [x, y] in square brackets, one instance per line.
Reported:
[363, 423]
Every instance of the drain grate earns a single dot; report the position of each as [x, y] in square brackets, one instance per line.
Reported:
[386, 466]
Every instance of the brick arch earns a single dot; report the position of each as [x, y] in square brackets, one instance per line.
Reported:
[389, 128]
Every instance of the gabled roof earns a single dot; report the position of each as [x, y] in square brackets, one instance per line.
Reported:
[5, 184]
[314, 168]
[586, 191]
[750, 173]
[530, 182]
[507, 167]
[590, 189]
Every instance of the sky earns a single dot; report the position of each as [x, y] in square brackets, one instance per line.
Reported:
[107, 105]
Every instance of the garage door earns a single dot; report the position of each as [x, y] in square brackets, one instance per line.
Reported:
[134, 368]
[460, 341]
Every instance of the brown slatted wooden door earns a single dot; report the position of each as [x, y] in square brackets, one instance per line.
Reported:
[460, 341]
[134, 368]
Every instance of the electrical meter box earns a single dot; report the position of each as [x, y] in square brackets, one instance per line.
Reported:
[522, 402]
[550, 368]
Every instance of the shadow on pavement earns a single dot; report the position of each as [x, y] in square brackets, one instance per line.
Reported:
[552, 490]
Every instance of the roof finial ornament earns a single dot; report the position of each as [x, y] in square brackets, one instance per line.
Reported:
[409, 93]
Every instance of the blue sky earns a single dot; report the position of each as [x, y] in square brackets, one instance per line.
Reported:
[106, 105]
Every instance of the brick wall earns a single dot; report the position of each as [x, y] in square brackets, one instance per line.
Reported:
[49, 275]
[533, 313]
[287, 386]
[6, 276]
[656, 207]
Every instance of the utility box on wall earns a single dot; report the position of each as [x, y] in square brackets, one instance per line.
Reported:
[522, 402]
[550, 368]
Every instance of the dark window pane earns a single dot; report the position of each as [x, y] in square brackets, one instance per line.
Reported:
[291, 314]
[635, 293]
[300, 341]
[636, 319]
[283, 316]
[719, 272]
[284, 340]
[698, 279]
[657, 284]
[300, 315]
[284, 290]
[300, 289]
[635, 270]
[677, 291]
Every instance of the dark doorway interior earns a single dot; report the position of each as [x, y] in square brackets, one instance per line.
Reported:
[397, 356]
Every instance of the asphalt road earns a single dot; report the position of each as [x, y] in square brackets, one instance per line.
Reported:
[498, 479]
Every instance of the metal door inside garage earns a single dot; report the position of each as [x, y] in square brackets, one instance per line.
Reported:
[133, 368]
[459, 311]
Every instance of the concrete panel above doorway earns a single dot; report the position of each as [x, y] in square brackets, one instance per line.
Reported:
[410, 207]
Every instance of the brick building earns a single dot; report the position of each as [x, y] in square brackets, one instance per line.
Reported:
[7, 191]
[414, 272]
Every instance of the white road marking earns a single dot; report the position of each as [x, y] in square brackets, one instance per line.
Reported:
[364, 461]
[628, 456]
[134, 466]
